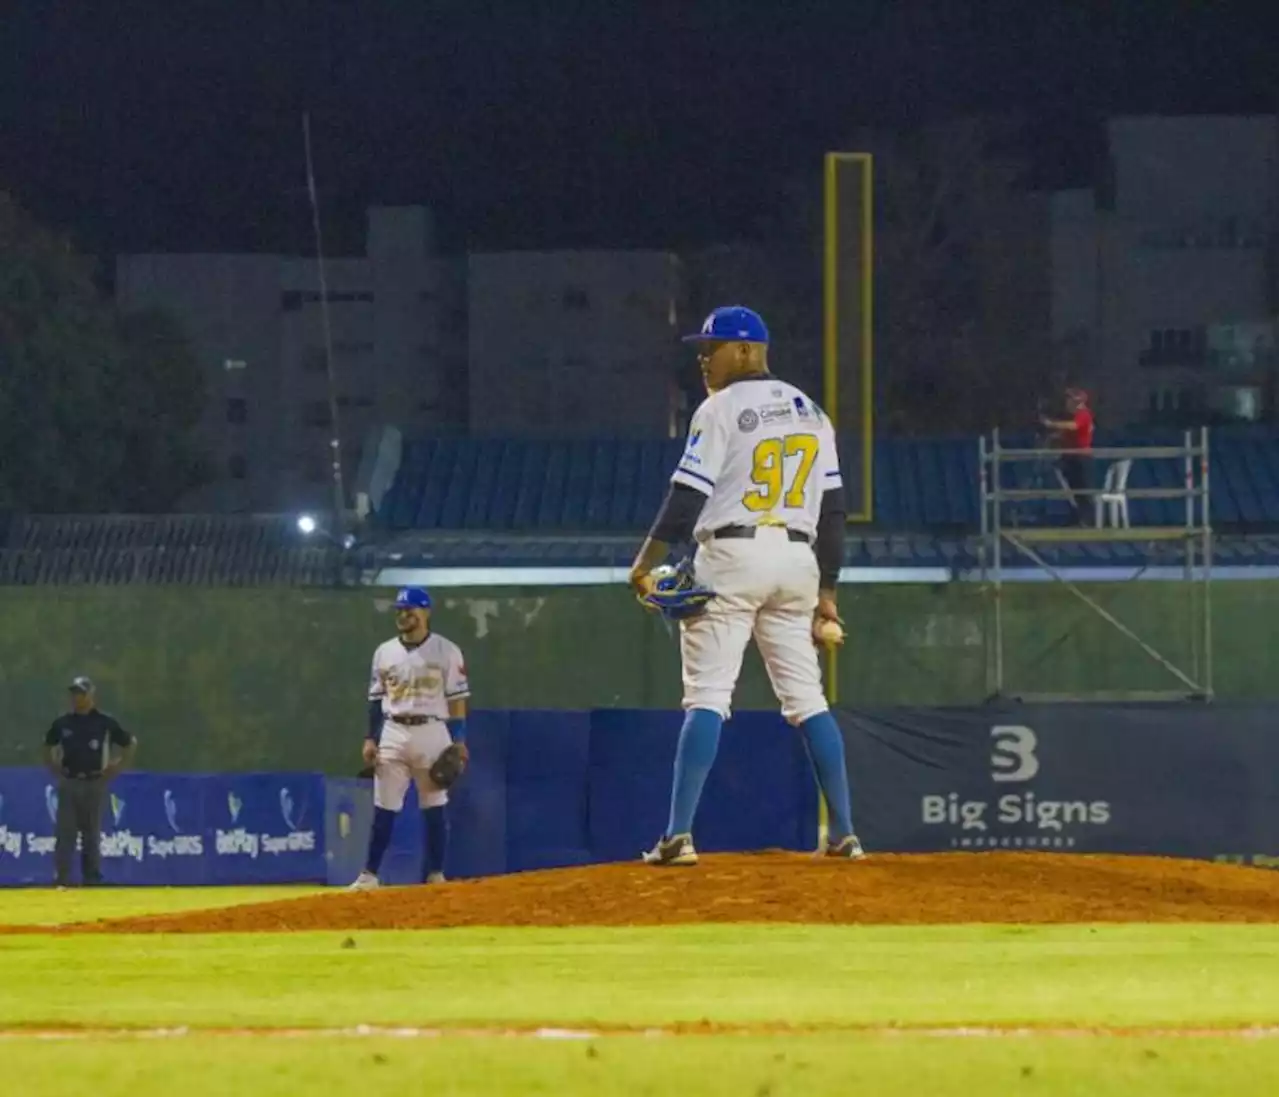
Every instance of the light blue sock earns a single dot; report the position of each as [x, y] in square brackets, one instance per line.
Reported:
[826, 749]
[699, 741]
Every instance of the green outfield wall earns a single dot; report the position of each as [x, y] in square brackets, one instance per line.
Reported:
[226, 679]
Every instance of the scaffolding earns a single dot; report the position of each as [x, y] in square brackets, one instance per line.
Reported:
[1003, 539]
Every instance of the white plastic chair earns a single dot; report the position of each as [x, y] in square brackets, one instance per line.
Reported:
[1114, 497]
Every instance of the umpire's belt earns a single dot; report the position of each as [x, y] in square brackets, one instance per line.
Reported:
[415, 721]
[746, 533]
[81, 776]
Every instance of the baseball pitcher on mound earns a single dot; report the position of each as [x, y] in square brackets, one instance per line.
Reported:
[759, 490]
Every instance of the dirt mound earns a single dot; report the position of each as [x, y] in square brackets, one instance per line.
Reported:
[778, 887]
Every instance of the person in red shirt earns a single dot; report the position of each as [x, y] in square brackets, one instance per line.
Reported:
[1075, 433]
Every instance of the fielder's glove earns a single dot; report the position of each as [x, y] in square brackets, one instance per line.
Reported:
[676, 594]
[449, 766]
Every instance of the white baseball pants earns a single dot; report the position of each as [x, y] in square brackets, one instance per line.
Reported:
[404, 754]
[766, 587]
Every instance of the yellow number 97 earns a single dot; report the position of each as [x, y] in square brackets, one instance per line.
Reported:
[768, 469]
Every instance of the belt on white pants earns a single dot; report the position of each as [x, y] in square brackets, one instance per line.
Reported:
[414, 721]
[747, 533]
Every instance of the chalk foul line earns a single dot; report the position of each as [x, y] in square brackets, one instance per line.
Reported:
[414, 1032]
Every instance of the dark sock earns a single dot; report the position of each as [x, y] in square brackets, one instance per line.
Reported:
[379, 838]
[435, 840]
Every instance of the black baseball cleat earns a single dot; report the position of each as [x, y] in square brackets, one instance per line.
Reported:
[848, 848]
[676, 851]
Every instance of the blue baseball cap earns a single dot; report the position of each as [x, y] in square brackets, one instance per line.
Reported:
[731, 324]
[412, 598]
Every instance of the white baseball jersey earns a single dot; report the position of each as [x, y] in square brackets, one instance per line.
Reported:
[763, 453]
[418, 681]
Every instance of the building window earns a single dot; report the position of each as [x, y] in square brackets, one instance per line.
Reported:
[1176, 347]
[575, 298]
[293, 299]
[315, 413]
[1238, 403]
[237, 467]
[1173, 406]
[237, 410]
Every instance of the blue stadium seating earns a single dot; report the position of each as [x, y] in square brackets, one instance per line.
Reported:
[920, 485]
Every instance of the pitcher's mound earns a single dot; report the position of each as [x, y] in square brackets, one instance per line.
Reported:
[780, 887]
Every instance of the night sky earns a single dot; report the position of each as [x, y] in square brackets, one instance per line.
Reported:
[176, 126]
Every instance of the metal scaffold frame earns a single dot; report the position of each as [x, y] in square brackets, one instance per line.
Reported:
[1000, 538]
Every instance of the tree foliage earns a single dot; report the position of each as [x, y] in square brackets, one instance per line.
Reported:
[962, 308]
[962, 281]
[97, 408]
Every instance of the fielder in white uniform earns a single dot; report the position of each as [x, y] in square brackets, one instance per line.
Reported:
[418, 694]
[759, 490]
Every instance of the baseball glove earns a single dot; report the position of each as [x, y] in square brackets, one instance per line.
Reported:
[676, 594]
[449, 766]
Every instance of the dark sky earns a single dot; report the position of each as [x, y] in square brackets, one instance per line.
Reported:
[176, 125]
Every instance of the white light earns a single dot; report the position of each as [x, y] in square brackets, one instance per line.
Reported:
[306, 525]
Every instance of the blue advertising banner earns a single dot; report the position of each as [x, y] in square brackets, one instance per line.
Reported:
[554, 789]
[266, 827]
[28, 807]
[153, 828]
[173, 829]
[1173, 780]
[347, 816]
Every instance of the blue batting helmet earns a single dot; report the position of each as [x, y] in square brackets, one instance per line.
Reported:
[412, 598]
[731, 324]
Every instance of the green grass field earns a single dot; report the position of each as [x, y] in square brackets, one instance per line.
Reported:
[876, 1010]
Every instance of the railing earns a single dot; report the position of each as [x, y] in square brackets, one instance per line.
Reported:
[1194, 534]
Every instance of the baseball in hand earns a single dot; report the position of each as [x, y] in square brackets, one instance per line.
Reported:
[829, 632]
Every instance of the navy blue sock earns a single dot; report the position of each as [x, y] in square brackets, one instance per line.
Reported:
[435, 840]
[826, 750]
[379, 838]
[699, 741]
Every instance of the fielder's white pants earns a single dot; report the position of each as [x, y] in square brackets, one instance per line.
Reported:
[407, 753]
[766, 587]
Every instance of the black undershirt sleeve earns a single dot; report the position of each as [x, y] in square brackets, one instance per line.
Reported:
[375, 720]
[828, 543]
[678, 515]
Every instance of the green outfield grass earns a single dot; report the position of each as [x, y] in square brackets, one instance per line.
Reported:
[1165, 977]
[47, 907]
[730, 1066]
[1125, 975]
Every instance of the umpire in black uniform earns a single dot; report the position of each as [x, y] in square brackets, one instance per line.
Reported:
[78, 752]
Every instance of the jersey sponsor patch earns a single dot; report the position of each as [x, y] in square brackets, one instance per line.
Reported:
[775, 413]
[748, 420]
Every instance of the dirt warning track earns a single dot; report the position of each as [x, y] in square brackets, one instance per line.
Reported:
[1036, 888]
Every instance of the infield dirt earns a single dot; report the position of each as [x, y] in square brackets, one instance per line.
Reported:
[1033, 888]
